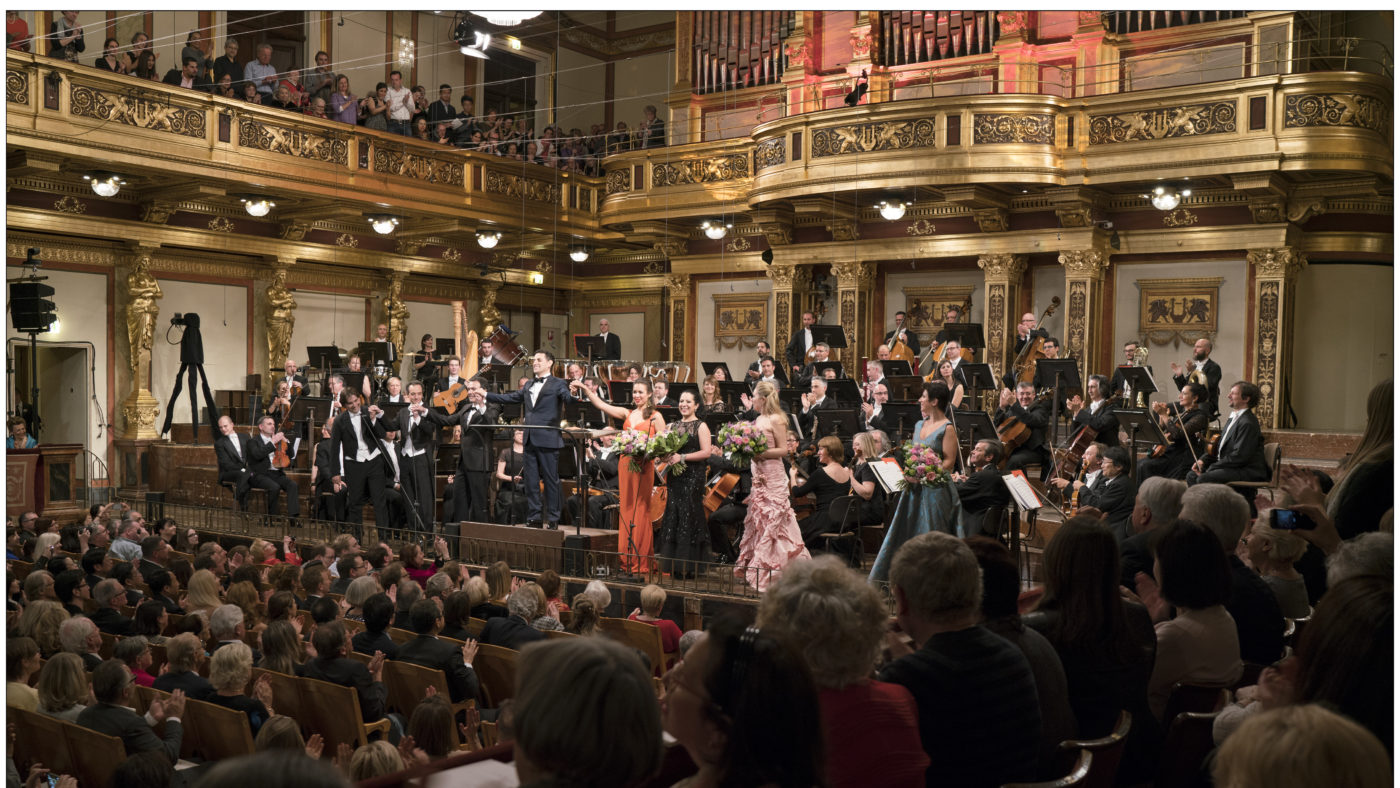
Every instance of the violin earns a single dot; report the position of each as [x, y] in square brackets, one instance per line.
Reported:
[716, 493]
[1074, 499]
[280, 458]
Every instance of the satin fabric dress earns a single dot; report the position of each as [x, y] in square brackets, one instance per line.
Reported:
[771, 536]
[634, 529]
[920, 510]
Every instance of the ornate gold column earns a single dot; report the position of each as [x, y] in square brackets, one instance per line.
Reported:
[678, 298]
[801, 81]
[139, 409]
[395, 313]
[789, 283]
[854, 285]
[1002, 275]
[281, 318]
[1084, 271]
[1271, 351]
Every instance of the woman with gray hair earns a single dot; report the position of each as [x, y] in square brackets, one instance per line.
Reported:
[836, 620]
[229, 672]
[562, 681]
[360, 589]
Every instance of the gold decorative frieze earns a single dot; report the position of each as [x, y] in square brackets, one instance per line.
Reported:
[739, 244]
[619, 180]
[347, 240]
[134, 109]
[868, 137]
[17, 87]
[452, 254]
[991, 220]
[1003, 127]
[671, 248]
[655, 267]
[221, 224]
[920, 227]
[418, 166]
[157, 211]
[1181, 217]
[408, 246]
[254, 133]
[293, 230]
[70, 204]
[843, 230]
[1336, 109]
[708, 170]
[520, 186]
[1012, 23]
[1165, 123]
[770, 153]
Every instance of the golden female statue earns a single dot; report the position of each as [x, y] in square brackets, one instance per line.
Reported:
[141, 310]
[397, 313]
[281, 317]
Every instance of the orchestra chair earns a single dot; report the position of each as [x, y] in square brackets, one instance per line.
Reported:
[841, 512]
[496, 668]
[1076, 776]
[1273, 460]
[334, 712]
[639, 635]
[1107, 752]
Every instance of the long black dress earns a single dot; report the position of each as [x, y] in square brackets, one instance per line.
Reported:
[685, 539]
[510, 502]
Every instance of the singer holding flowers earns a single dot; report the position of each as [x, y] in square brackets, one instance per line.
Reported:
[634, 487]
[930, 501]
[685, 540]
[772, 537]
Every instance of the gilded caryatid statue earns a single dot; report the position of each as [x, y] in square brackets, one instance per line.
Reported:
[281, 317]
[490, 315]
[142, 292]
[397, 314]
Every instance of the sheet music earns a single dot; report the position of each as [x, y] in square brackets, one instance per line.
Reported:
[1021, 491]
[888, 474]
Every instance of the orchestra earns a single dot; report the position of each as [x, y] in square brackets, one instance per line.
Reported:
[385, 441]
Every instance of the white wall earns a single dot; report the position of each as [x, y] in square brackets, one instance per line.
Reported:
[554, 335]
[895, 299]
[328, 319]
[1047, 282]
[706, 348]
[357, 49]
[631, 330]
[1337, 361]
[223, 328]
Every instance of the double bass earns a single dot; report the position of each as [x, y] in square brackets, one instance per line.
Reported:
[1023, 369]
[938, 351]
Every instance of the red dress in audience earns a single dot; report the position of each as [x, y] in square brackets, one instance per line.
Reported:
[143, 678]
[670, 633]
[871, 732]
[420, 574]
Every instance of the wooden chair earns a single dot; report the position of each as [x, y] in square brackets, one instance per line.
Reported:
[1107, 751]
[213, 732]
[1076, 777]
[334, 712]
[489, 735]
[109, 644]
[101, 754]
[408, 682]
[495, 667]
[1200, 698]
[1189, 741]
[639, 635]
[1273, 456]
[842, 512]
[400, 636]
[172, 623]
[286, 696]
[475, 625]
[558, 634]
[157, 658]
[19, 570]
[40, 738]
[1249, 676]
[353, 627]
[360, 657]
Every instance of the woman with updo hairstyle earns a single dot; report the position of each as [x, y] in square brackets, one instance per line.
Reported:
[560, 682]
[745, 708]
[829, 481]
[585, 619]
[835, 620]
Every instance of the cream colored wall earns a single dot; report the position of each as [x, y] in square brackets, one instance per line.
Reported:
[706, 348]
[79, 302]
[425, 318]
[169, 29]
[895, 300]
[223, 328]
[582, 88]
[1229, 340]
[327, 319]
[631, 330]
[1047, 281]
[643, 80]
[357, 49]
[439, 59]
[1337, 359]
[554, 335]
[631, 20]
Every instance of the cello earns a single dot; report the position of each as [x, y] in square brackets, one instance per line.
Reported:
[1023, 369]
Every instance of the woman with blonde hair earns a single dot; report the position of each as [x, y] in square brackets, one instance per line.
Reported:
[375, 759]
[40, 621]
[772, 537]
[1300, 747]
[45, 547]
[710, 401]
[1272, 552]
[63, 687]
[203, 593]
[282, 648]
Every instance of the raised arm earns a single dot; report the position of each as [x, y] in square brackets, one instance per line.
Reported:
[612, 410]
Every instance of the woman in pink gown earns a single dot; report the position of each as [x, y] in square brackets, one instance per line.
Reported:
[771, 536]
[634, 530]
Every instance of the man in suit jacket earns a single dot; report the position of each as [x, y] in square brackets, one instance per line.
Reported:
[418, 441]
[111, 687]
[330, 503]
[873, 414]
[332, 644]
[983, 489]
[239, 456]
[471, 482]
[1201, 361]
[109, 594]
[768, 372]
[660, 394]
[355, 446]
[270, 478]
[756, 369]
[1113, 493]
[293, 379]
[1034, 414]
[187, 76]
[430, 652]
[452, 376]
[612, 345]
[542, 402]
[513, 631]
[1240, 451]
[1097, 414]
[812, 404]
[800, 342]
[902, 332]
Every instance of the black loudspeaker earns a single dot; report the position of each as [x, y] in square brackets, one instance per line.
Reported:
[30, 310]
[767, 256]
[575, 562]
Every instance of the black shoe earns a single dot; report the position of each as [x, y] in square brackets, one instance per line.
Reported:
[534, 524]
[553, 526]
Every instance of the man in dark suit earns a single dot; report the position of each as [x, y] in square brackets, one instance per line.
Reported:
[514, 630]
[471, 482]
[417, 429]
[332, 644]
[768, 372]
[330, 502]
[1024, 407]
[1240, 450]
[812, 405]
[801, 341]
[1118, 386]
[1097, 414]
[187, 76]
[1181, 424]
[1201, 361]
[442, 111]
[293, 379]
[756, 368]
[1158, 502]
[901, 332]
[983, 489]
[355, 445]
[612, 345]
[873, 414]
[112, 684]
[452, 376]
[108, 595]
[660, 394]
[268, 477]
[602, 477]
[235, 453]
[430, 652]
[542, 402]
[155, 551]
[1113, 493]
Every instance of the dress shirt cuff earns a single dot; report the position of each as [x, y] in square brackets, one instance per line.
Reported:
[467, 664]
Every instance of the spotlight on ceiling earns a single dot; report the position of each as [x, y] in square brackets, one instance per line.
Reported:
[715, 229]
[487, 239]
[507, 18]
[1166, 198]
[105, 184]
[478, 46]
[892, 208]
[579, 254]
[383, 223]
[257, 206]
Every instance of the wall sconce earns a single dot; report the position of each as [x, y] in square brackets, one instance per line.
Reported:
[487, 239]
[259, 206]
[1166, 198]
[383, 223]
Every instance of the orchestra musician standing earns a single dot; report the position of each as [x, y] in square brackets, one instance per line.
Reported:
[471, 482]
[381, 334]
[1025, 331]
[1201, 366]
[452, 376]
[901, 333]
[486, 354]
[355, 445]
[821, 353]
[612, 344]
[1118, 386]
[812, 403]
[1240, 450]
[418, 442]
[952, 315]
[755, 369]
[542, 402]
[634, 531]
[800, 343]
[1035, 414]
[1097, 414]
[1180, 423]
[425, 362]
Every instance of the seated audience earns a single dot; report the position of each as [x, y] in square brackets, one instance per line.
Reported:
[230, 671]
[183, 654]
[378, 613]
[585, 618]
[1301, 747]
[1370, 553]
[1272, 553]
[282, 648]
[376, 759]
[513, 631]
[432, 729]
[43, 621]
[80, 636]
[63, 688]
[112, 688]
[332, 644]
[276, 769]
[456, 612]
[430, 652]
[110, 595]
[546, 618]
[21, 661]
[135, 653]
[653, 597]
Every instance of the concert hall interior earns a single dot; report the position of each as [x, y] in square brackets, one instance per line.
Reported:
[270, 273]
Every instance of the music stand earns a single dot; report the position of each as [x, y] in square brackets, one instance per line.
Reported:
[781, 374]
[904, 415]
[717, 420]
[843, 390]
[589, 346]
[494, 377]
[710, 366]
[904, 388]
[833, 336]
[620, 392]
[1141, 382]
[968, 335]
[669, 414]
[977, 377]
[841, 422]
[976, 425]
[1062, 372]
[370, 352]
[326, 357]
[896, 366]
[819, 369]
[791, 399]
[446, 347]
[732, 393]
[354, 381]
[314, 409]
[1134, 421]
[674, 390]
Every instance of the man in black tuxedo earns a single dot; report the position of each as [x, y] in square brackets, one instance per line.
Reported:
[452, 376]
[381, 335]
[1201, 361]
[471, 481]
[901, 332]
[268, 477]
[873, 414]
[1025, 330]
[112, 685]
[800, 342]
[1240, 451]
[430, 652]
[1024, 407]
[293, 379]
[756, 368]
[589, 415]
[660, 394]
[542, 402]
[602, 477]
[355, 446]
[1043, 380]
[768, 372]
[612, 345]
[952, 353]
[821, 353]
[1113, 493]
[1118, 386]
[243, 461]
[486, 354]
[1097, 414]
[417, 429]
[812, 404]
[983, 489]
[1182, 423]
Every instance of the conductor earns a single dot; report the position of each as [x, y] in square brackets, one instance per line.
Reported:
[542, 402]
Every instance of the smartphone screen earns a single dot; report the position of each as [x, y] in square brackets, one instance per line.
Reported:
[1289, 520]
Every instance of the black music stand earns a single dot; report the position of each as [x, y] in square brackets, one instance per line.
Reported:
[370, 352]
[674, 390]
[310, 409]
[1063, 372]
[709, 368]
[324, 358]
[833, 336]
[354, 381]
[843, 390]
[444, 347]
[975, 425]
[1141, 382]
[732, 392]
[780, 374]
[904, 415]
[589, 346]
[715, 421]
[977, 377]
[1135, 421]
[791, 399]
[896, 366]
[968, 335]
[819, 369]
[669, 414]
[844, 423]
[905, 388]
[495, 377]
[620, 392]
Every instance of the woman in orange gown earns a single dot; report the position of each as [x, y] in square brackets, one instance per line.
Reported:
[634, 531]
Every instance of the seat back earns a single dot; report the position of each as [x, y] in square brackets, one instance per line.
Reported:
[475, 625]
[332, 711]
[406, 683]
[400, 636]
[639, 635]
[495, 667]
[286, 695]
[1078, 774]
[101, 754]
[1189, 741]
[213, 732]
[1108, 753]
[558, 634]
[842, 513]
[109, 644]
[157, 658]
[39, 738]
[1200, 698]
[1273, 454]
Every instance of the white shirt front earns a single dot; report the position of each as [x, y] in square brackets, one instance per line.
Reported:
[237, 449]
[395, 98]
[364, 453]
[536, 387]
[409, 450]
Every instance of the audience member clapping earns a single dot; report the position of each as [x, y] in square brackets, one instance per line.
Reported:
[1272, 553]
[229, 672]
[183, 654]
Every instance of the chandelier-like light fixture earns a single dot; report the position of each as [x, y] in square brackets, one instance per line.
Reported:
[507, 18]
[383, 223]
[258, 206]
[715, 229]
[579, 254]
[1165, 198]
[105, 184]
[487, 239]
[892, 208]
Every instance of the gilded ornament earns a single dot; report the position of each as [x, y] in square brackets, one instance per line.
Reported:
[135, 110]
[281, 318]
[293, 230]
[417, 166]
[619, 180]
[1304, 208]
[1336, 109]
[1002, 267]
[770, 153]
[782, 276]
[861, 43]
[670, 248]
[1267, 211]
[17, 87]
[678, 285]
[1075, 216]
[347, 240]
[142, 293]
[843, 230]
[452, 254]
[868, 137]
[1084, 263]
[70, 204]
[157, 211]
[777, 233]
[253, 133]
[397, 312]
[920, 227]
[544, 266]
[221, 224]
[1007, 128]
[521, 187]
[990, 220]
[408, 246]
[1181, 217]
[1012, 23]
[1283, 262]
[654, 267]
[739, 244]
[1164, 123]
[708, 170]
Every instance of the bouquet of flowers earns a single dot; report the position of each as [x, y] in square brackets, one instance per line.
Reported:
[922, 467]
[632, 444]
[666, 444]
[741, 441]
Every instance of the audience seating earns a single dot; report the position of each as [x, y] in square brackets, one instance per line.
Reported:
[639, 635]
[1189, 741]
[1201, 698]
[400, 636]
[18, 570]
[334, 712]
[475, 625]
[286, 696]
[172, 623]
[109, 643]
[495, 668]
[407, 684]
[212, 732]
[557, 634]
[40, 738]
[1107, 752]
[101, 754]
[1077, 776]
[1249, 676]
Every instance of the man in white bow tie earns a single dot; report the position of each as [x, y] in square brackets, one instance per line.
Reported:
[471, 485]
